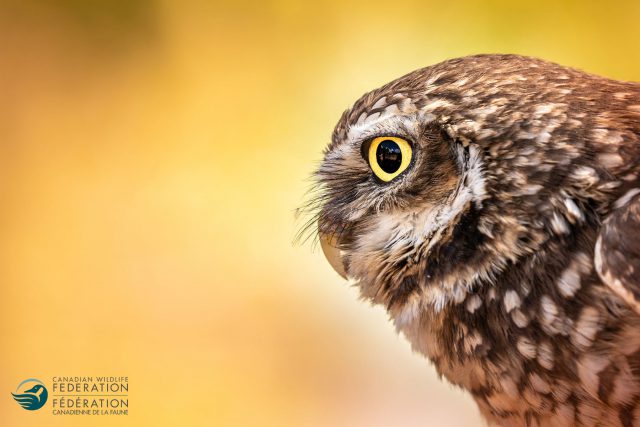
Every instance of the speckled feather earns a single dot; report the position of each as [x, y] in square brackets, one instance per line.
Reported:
[508, 252]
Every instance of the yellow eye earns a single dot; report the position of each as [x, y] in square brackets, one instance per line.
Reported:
[389, 156]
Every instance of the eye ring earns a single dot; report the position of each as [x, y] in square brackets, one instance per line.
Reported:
[389, 156]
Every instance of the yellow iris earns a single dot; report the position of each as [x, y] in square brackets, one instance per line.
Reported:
[389, 156]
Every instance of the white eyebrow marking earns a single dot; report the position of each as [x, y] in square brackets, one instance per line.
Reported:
[388, 122]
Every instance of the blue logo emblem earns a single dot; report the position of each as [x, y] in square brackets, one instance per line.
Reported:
[31, 394]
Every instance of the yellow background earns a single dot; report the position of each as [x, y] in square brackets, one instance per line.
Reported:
[152, 154]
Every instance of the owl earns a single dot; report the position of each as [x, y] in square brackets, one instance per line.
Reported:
[491, 204]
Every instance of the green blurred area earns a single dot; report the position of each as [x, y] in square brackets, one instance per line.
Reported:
[93, 16]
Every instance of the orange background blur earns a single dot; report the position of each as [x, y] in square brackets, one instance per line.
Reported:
[151, 156]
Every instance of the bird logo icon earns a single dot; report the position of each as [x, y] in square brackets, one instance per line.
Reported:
[31, 394]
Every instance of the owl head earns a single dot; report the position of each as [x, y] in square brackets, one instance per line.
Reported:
[435, 182]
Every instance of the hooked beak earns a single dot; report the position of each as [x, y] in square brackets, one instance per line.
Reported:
[332, 253]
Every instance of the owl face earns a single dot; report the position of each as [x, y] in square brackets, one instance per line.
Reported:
[398, 185]
[438, 180]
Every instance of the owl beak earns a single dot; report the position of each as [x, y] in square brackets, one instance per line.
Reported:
[332, 253]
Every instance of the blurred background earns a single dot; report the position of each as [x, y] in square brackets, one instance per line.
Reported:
[152, 154]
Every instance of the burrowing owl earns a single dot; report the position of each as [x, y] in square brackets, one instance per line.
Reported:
[492, 205]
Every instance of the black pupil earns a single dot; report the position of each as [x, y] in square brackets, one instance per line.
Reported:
[389, 156]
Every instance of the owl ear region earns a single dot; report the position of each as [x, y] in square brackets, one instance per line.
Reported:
[332, 253]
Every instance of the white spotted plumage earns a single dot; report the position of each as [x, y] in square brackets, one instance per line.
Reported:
[508, 252]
